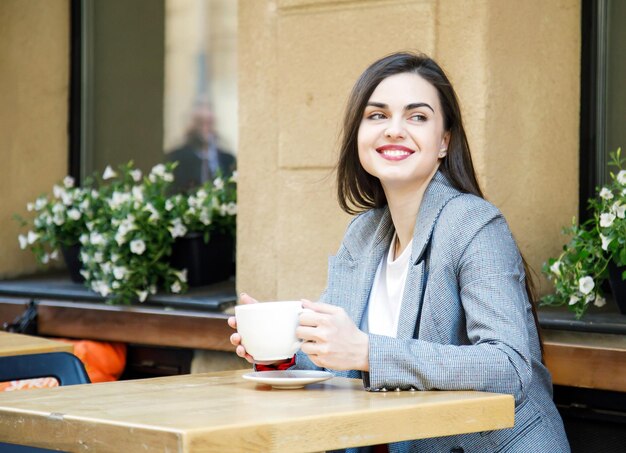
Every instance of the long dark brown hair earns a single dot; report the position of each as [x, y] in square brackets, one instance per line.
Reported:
[359, 191]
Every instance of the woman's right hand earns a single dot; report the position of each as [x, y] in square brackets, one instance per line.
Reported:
[235, 338]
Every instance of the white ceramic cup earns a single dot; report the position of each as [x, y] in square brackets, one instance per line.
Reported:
[268, 329]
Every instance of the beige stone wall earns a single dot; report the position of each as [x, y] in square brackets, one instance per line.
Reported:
[34, 55]
[514, 64]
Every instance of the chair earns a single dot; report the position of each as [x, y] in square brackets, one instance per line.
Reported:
[66, 368]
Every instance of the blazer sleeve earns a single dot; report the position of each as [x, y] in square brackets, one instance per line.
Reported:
[490, 279]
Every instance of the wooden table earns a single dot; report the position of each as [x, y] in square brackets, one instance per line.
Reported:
[17, 344]
[218, 412]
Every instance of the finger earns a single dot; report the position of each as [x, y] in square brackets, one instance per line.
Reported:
[311, 348]
[235, 339]
[320, 307]
[309, 318]
[232, 322]
[241, 352]
[306, 333]
[247, 299]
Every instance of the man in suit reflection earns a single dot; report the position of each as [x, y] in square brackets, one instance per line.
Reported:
[200, 158]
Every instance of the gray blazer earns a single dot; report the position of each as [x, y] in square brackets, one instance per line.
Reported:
[465, 320]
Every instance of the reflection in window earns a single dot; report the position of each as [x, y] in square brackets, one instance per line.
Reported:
[151, 71]
[200, 108]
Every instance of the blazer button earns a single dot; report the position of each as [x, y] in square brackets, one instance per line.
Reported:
[456, 450]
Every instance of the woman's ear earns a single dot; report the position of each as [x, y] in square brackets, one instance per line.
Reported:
[445, 141]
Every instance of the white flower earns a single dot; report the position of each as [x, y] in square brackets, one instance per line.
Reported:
[154, 214]
[621, 177]
[619, 209]
[68, 182]
[233, 178]
[97, 257]
[590, 297]
[106, 268]
[96, 238]
[137, 193]
[108, 173]
[205, 217]
[118, 199]
[85, 273]
[54, 255]
[119, 272]
[605, 241]
[58, 220]
[84, 239]
[137, 246]
[23, 241]
[169, 205]
[45, 258]
[58, 208]
[58, 191]
[40, 203]
[32, 237]
[177, 229]
[176, 288]
[68, 198]
[573, 299]
[115, 284]
[600, 301]
[231, 208]
[556, 268]
[73, 214]
[30, 206]
[136, 175]
[606, 220]
[218, 183]
[100, 287]
[586, 284]
[606, 194]
[159, 171]
[142, 295]
[182, 275]
[85, 258]
[152, 289]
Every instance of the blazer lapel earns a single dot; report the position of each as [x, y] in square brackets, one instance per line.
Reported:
[357, 270]
[437, 195]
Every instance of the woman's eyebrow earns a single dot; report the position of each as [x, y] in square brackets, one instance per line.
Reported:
[415, 105]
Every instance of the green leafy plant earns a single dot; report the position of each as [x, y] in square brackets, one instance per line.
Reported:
[212, 208]
[126, 224]
[579, 272]
[125, 247]
[58, 219]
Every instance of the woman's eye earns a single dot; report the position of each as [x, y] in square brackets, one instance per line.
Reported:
[375, 116]
[418, 117]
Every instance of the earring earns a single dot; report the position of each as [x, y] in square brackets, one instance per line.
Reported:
[442, 152]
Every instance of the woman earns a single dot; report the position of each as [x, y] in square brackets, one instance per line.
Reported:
[428, 289]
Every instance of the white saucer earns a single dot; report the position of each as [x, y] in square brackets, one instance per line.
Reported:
[288, 379]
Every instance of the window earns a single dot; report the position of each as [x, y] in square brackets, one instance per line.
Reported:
[142, 75]
[603, 92]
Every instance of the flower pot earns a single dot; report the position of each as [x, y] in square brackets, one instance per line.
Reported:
[71, 256]
[205, 263]
[618, 286]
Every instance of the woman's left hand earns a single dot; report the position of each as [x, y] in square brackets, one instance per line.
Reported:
[331, 339]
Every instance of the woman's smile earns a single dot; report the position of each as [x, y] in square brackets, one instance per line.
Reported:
[394, 152]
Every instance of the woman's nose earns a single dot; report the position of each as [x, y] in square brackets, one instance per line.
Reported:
[395, 130]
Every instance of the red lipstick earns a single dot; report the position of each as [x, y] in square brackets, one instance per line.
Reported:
[394, 152]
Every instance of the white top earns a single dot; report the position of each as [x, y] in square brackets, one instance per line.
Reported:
[385, 299]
